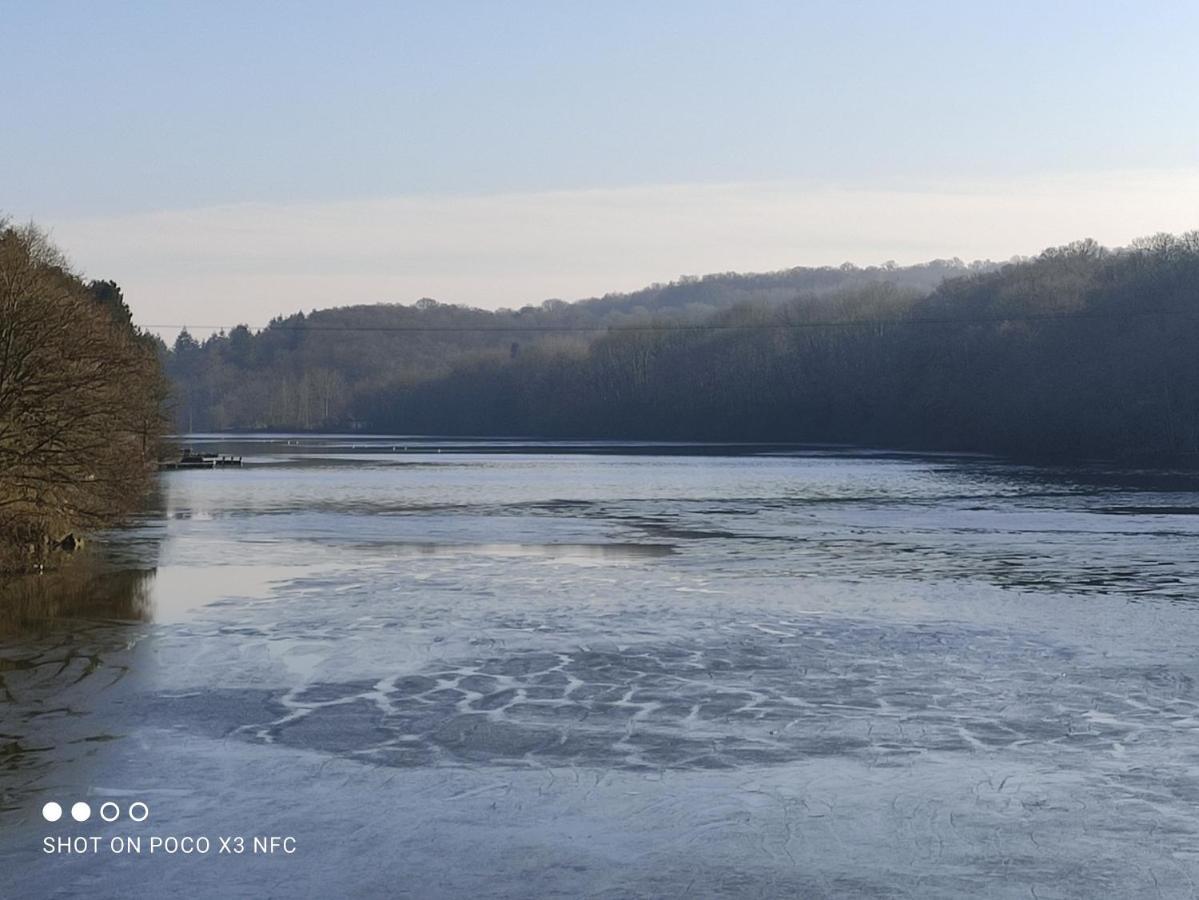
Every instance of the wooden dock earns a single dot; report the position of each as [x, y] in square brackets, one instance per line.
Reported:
[190, 460]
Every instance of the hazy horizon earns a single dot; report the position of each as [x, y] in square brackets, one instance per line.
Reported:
[499, 156]
[206, 268]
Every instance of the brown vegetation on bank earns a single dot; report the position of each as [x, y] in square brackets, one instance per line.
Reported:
[81, 401]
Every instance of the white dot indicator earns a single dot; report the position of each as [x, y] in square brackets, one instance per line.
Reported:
[136, 808]
[51, 812]
[109, 811]
[81, 812]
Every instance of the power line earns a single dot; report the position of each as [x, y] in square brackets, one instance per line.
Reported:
[700, 327]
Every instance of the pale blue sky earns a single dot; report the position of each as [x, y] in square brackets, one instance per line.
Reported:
[115, 111]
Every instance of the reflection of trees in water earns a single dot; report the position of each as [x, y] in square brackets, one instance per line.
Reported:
[36, 605]
[106, 584]
[66, 637]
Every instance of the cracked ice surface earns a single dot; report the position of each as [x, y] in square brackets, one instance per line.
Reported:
[557, 675]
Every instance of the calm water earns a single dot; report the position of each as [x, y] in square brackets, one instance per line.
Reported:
[455, 669]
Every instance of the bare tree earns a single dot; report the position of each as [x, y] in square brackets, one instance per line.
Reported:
[81, 403]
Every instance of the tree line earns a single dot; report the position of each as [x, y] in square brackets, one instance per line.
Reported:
[1081, 352]
[328, 369]
[82, 401]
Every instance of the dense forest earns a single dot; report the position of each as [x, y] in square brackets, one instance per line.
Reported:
[82, 401]
[330, 369]
[1080, 351]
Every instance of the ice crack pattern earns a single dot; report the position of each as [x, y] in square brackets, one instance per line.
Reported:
[745, 694]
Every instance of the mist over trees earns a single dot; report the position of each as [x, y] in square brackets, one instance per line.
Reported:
[328, 369]
[1081, 351]
[82, 401]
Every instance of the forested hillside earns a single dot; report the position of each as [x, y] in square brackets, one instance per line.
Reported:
[1081, 351]
[329, 368]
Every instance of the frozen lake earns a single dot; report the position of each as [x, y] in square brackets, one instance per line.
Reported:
[495, 669]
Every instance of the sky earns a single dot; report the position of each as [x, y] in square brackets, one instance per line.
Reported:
[227, 162]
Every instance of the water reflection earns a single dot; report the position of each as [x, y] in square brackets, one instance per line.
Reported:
[36, 605]
[67, 637]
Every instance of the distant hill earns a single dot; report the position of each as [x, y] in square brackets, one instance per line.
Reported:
[1080, 352]
[711, 293]
[329, 368]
